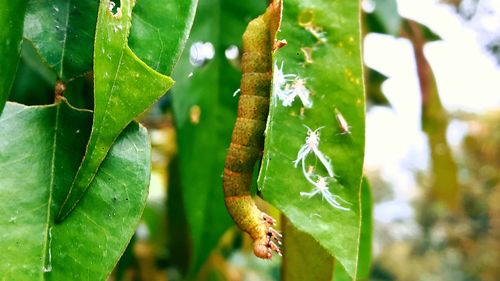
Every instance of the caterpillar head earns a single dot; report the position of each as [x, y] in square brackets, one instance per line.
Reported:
[262, 249]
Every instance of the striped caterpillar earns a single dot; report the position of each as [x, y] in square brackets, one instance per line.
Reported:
[247, 141]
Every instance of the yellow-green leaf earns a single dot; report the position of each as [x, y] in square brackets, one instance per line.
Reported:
[124, 87]
[324, 50]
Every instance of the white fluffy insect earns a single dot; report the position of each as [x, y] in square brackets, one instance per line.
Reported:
[280, 78]
[280, 81]
[287, 87]
[312, 146]
[321, 187]
[298, 89]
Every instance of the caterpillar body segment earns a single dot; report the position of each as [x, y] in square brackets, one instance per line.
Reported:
[247, 140]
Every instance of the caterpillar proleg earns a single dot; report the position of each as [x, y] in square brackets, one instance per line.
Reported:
[247, 140]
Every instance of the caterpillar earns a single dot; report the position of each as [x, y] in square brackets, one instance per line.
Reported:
[247, 140]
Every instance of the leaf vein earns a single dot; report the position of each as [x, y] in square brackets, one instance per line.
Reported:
[64, 39]
[51, 186]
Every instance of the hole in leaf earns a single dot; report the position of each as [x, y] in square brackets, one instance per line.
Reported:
[114, 7]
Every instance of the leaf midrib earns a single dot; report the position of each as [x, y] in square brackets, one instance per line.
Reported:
[96, 131]
[46, 241]
[157, 30]
[63, 47]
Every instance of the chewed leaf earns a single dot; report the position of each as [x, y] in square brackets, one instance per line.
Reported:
[124, 87]
[329, 207]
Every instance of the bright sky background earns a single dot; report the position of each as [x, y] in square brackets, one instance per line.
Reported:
[468, 80]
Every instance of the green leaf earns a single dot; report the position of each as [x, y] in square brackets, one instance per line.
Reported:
[123, 88]
[387, 16]
[340, 274]
[429, 34]
[304, 258]
[334, 78]
[365, 247]
[63, 31]
[38, 161]
[374, 81]
[160, 30]
[11, 28]
[179, 241]
[208, 95]
[302, 251]
[31, 58]
[34, 83]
